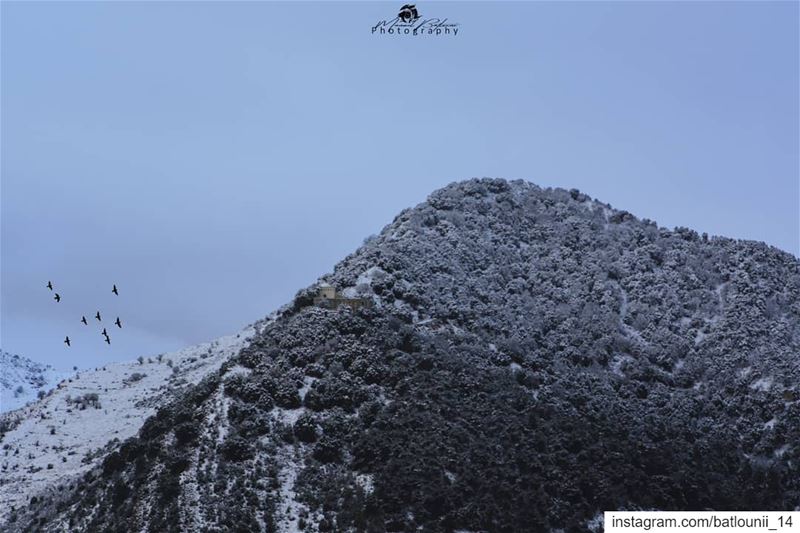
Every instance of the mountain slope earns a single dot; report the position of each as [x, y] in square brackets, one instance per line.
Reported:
[533, 358]
[22, 380]
[68, 431]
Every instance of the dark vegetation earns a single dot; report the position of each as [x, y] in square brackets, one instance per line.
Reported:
[89, 399]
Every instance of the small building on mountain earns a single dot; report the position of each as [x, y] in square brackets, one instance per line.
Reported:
[326, 292]
[329, 298]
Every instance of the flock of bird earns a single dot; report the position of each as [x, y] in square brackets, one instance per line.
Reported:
[118, 322]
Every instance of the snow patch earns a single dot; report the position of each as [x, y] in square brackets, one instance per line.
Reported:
[288, 509]
[287, 416]
[781, 451]
[308, 381]
[699, 337]
[595, 525]
[763, 384]
[363, 283]
[366, 482]
[238, 370]
[618, 363]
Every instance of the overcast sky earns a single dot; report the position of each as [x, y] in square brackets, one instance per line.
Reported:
[213, 158]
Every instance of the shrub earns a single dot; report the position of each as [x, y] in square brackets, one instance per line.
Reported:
[236, 449]
[328, 450]
[133, 378]
[186, 432]
[90, 399]
[305, 429]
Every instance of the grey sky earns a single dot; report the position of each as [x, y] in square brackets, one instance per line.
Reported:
[212, 158]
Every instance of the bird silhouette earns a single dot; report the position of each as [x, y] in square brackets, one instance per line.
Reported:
[83, 319]
[66, 341]
[108, 340]
[97, 316]
[114, 290]
[57, 298]
[104, 332]
[49, 285]
[118, 323]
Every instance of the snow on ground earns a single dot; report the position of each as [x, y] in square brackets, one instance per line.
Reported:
[289, 508]
[221, 423]
[308, 381]
[189, 499]
[363, 286]
[699, 337]
[21, 380]
[366, 482]
[287, 416]
[781, 451]
[629, 331]
[57, 438]
[763, 384]
[596, 523]
[618, 363]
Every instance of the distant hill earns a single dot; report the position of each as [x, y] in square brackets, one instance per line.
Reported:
[22, 380]
[532, 358]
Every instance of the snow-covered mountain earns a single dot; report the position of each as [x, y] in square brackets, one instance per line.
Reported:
[53, 440]
[23, 380]
[531, 358]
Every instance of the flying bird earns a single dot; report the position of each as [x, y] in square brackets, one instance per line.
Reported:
[97, 316]
[104, 332]
[118, 323]
[108, 339]
[57, 298]
[49, 285]
[66, 341]
[114, 290]
[83, 319]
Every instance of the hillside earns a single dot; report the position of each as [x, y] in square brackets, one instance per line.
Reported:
[23, 380]
[533, 357]
[68, 431]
